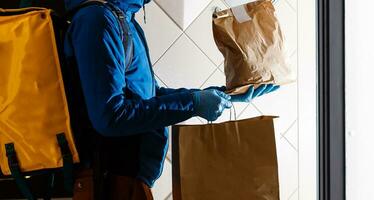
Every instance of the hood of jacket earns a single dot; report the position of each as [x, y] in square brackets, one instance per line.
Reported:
[125, 5]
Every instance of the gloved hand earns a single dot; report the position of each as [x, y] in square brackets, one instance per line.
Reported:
[209, 104]
[253, 93]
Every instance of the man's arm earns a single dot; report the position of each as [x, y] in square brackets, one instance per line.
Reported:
[161, 91]
[98, 50]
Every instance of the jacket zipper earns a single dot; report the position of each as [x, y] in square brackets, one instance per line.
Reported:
[142, 38]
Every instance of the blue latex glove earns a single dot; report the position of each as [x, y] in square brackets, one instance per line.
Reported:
[209, 104]
[253, 93]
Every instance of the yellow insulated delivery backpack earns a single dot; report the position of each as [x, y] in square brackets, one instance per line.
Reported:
[35, 132]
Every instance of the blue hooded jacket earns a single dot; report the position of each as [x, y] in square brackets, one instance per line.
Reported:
[121, 102]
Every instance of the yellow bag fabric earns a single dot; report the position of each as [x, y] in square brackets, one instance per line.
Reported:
[33, 106]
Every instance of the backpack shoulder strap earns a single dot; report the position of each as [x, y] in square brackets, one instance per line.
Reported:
[126, 35]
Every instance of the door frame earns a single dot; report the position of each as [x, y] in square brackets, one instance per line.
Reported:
[331, 99]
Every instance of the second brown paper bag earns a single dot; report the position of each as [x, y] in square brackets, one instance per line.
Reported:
[232, 160]
[250, 38]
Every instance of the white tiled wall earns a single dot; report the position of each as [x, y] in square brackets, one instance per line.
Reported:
[359, 100]
[184, 54]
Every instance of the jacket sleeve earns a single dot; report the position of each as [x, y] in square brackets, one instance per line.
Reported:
[162, 91]
[98, 50]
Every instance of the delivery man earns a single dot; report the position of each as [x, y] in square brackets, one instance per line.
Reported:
[126, 106]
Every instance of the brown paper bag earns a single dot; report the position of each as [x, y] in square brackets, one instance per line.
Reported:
[251, 40]
[226, 161]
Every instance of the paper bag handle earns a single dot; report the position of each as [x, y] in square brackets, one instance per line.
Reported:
[233, 109]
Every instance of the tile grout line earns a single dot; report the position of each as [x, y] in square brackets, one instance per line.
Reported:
[168, 197]
[180, 33]
[193, 21]
[298, 100]
[290, 143]
[294, 52]
[286, 138]
[171, 45]
[254, 105]
[201, 120]
[241, 112]
[293, 193]
[166, 13]
[207, 79]
[289, 128]
[222, 63]
[184, 33]
[193, 41]
[224, 2]
[246, 107]
[161, 80]
[188, 27]
[201, 50]
[292, 7]
[181, 28]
